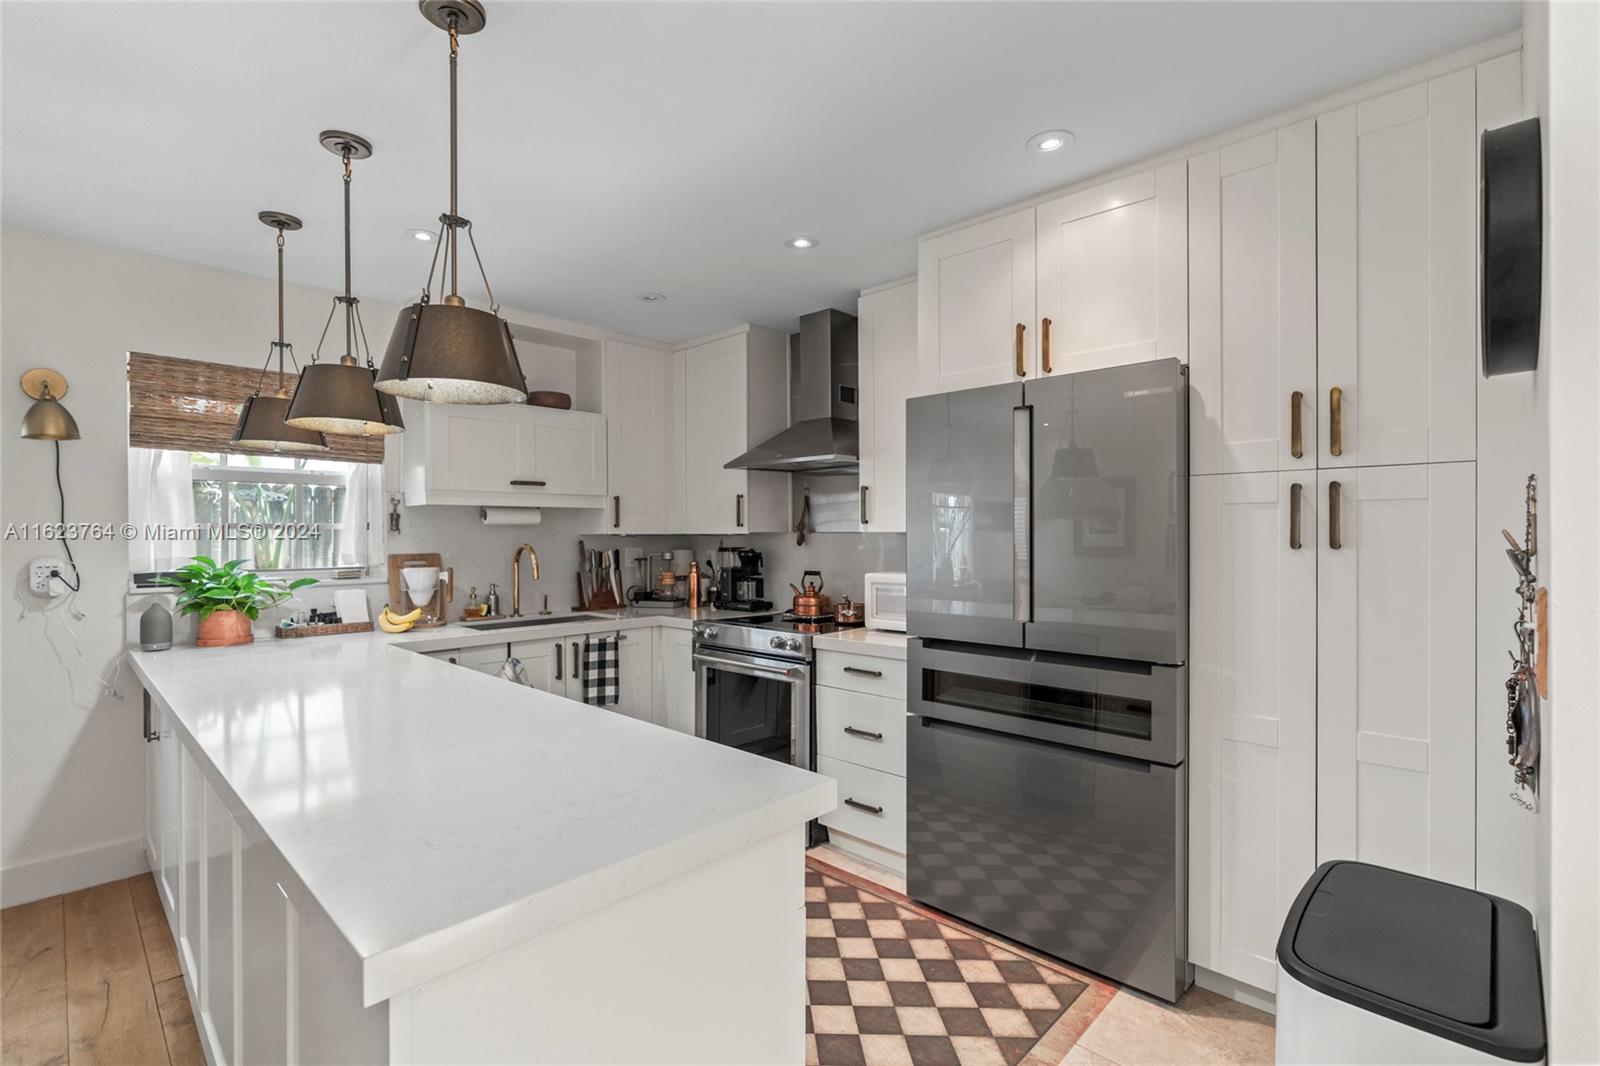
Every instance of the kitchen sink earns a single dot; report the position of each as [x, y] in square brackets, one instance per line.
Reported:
[523, 623]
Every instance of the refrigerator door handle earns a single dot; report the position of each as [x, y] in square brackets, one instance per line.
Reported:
[1022, 513]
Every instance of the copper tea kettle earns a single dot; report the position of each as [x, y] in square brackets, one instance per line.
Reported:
[809, 601]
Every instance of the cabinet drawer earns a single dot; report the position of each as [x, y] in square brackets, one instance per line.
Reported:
[867, 730]
[861, 790]
[483, 655]
[862, 673]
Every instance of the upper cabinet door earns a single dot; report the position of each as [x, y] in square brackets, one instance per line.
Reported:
[1396, 288]
[1113, 275]
[638, 466]
[975, 304]
[568, 449]
[1395, 668]
[473, 448]
[888, 350]
[715, 432]
[1253, 304]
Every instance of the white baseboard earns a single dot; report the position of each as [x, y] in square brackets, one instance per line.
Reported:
[1237, 991]
[27, 882]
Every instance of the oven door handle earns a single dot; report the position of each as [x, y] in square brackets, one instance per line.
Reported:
[777, 673]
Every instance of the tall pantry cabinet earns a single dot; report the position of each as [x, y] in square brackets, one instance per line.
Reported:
[1333, 369]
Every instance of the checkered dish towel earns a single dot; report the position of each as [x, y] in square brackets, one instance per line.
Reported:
[600, 670]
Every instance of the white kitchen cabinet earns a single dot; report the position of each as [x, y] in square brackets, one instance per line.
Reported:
[975, 304]
[1253, 304]
[1252, 714]
[502, 455]
[675, 679]
[190, 890]
[219, 878]
[1396, 276]
[736, 396]
[544, 662]
[872, 804]
[861, 743]
[266, 918]
[1395, 668]
[639, 467]
[1113, 273]
[636, 667]
[887, 332]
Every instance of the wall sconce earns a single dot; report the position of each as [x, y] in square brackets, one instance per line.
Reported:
[47, 419]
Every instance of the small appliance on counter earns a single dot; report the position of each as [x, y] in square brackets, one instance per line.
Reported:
[420, 580]
[885, 601]
[155, 628]
[740, 586]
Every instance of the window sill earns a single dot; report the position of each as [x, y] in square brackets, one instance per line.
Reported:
[323, 581]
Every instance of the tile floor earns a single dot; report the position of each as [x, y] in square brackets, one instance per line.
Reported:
[1125, 1028]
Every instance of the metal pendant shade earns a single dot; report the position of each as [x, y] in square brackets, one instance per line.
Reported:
[341, 397]
[445, 351]
[452, 354]
[261, 420]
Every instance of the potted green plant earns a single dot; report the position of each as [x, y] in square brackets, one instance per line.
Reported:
[227, 598]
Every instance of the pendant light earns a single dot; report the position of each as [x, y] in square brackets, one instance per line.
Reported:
[447, 351]
[1075, 490]
[339, 397]
[261, 423]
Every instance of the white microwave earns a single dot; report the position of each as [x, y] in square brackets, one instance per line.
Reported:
[886, 601]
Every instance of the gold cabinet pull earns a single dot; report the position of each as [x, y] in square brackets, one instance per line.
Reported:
[863, 505]
[1022, 369]
[1336, 420]
[1296, 490]
[1334, 540]
[738, 511]
[1044, 343]
[616, 512]
[1296, 400]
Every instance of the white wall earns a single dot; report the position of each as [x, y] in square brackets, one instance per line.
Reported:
[1562, 85]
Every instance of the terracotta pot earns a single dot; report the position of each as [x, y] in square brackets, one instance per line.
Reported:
[222, 628]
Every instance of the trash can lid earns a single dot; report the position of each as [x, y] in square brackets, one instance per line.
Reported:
[1461, 964]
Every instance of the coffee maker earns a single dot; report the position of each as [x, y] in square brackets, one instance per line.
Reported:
[740, 586]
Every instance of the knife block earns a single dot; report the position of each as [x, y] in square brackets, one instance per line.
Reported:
[602, 600]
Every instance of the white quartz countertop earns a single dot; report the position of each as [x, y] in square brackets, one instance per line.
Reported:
[438, 815]
[878, 642]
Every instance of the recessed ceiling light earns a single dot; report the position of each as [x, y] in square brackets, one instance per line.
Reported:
[800, 242]
[1050, 141]
[652, 297]
[420, 234]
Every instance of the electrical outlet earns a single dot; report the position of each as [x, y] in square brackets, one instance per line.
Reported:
[43, 576]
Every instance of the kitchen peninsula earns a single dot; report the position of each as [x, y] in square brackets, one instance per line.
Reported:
[369, 854]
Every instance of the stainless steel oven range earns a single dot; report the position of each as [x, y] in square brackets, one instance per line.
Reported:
[754, 688]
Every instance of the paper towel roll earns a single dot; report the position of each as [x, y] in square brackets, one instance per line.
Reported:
[510, 516]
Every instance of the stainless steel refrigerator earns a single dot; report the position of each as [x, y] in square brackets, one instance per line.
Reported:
[1047, 598]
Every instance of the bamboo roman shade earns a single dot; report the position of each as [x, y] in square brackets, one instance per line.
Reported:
[191, 405]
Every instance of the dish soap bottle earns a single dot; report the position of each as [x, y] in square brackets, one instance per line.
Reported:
[493, 600]
[471, 609]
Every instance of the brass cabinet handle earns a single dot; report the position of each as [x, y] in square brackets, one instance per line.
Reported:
[1296, 399]
[1295, 492]
[1334, 540]
[863, 505]
[1336, 420]
[1022, 369]
[616, 512]
[738, 511]
[1044, 343]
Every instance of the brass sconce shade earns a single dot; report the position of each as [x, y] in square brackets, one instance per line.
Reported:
[46, 418]
[445, 351]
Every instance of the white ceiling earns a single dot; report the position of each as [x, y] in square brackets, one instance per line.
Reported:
[610, 150]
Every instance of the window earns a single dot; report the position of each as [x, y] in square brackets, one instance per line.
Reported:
[276, 512]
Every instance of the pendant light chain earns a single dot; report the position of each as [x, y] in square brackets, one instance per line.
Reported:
[455, 216]
[349, 300]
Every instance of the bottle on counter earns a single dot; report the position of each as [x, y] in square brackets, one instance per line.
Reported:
[694, 583]
[493, 600]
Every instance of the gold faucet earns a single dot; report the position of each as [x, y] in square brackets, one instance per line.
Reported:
[516, 576]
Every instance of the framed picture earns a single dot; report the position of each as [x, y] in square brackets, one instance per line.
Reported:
[1110, 537]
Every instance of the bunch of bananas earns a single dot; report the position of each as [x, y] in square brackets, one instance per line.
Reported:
[390, 622]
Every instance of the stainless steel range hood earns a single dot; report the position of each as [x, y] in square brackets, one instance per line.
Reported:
[823, 436]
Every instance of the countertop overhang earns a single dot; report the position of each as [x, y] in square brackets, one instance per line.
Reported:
[437, 815]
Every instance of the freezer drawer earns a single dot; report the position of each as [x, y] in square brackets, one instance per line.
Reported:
[1075, 853]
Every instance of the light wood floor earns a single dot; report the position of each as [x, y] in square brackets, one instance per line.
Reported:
[94, 977]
